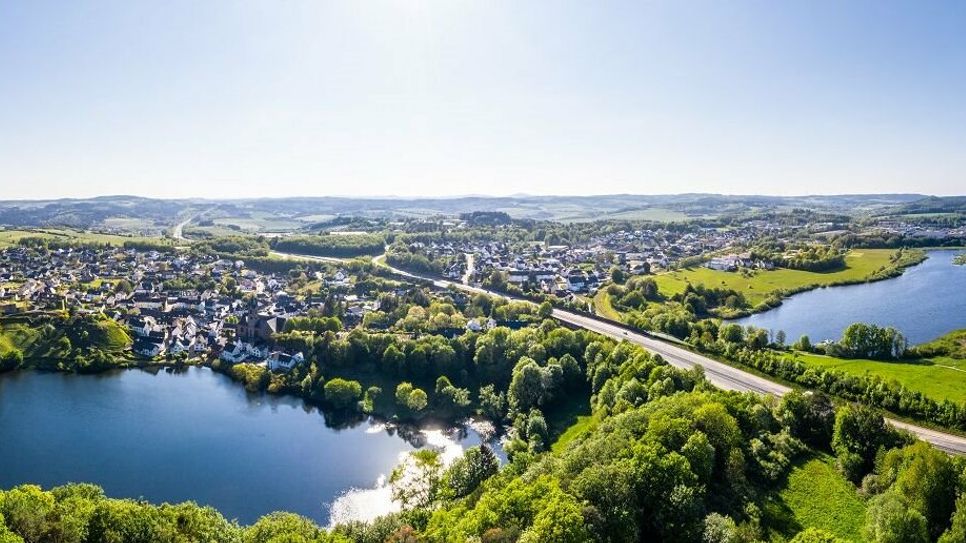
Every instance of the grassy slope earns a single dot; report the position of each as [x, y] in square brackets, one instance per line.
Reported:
[816, 495]
[604, 307]
[940, 378]
[105, 335]
[860, 265]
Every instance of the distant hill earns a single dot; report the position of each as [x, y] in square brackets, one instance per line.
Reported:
[147, 215]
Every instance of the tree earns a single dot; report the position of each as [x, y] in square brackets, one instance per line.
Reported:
[526, 386]
[469, 471]
[803, 344]
[545, 311]
[418, 400]
[492, 403]
[393, 360]
[858, 434]
[719, 529]
[280, 526]
[861, 340]
[810, 416]
[559, 520]
[780, 338]
[731, 333]
[890, 520]
[410, 397]
[957, 531]
[927, 480]
[25, 509]
[617, 275]
[342, 393]
[416, 482]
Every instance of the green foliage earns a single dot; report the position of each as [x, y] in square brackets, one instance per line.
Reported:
[254, 377]
[342, 393]
[820, 498]
[952, 345]
[869, 389]
[890, 520]
[469, 471]
[334, 245]
[814, 535]
[861, 340]
[412, 398]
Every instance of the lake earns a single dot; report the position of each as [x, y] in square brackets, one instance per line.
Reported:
[196, 435]
[925, 302]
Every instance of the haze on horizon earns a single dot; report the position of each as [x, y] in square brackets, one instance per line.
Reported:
[421, 98]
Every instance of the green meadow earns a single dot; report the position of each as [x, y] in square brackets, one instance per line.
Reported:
[758, 285]
[815, 495]
[939, 377]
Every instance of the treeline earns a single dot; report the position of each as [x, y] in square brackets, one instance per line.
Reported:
[868, 389]
[799, 255]
[333, 245]
[501, 374]
[232, 246]
[413, 258]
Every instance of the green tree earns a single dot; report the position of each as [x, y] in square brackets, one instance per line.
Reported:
[889, 519]
[469, 471]
[526, 386]
[858, 434]
[342, 393]
[617, 275]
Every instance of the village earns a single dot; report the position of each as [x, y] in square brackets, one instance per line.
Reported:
[175, 305]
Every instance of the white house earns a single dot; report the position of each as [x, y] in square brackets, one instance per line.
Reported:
[280, 361]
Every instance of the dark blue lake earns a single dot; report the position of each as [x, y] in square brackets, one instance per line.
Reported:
[198, 436]
[925, 302]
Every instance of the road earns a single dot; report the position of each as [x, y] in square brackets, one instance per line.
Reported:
[178, 231]
[718, 373]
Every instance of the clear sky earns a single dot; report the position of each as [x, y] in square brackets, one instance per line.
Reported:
[405, 97]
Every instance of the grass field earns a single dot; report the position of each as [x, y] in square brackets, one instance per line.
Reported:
[759, 285]
[815, 495]
[11, 237]
[940, 378]
[604, 307]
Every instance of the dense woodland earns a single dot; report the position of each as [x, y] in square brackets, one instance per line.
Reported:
[666, 458]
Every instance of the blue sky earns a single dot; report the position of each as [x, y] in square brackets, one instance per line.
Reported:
[290, 97]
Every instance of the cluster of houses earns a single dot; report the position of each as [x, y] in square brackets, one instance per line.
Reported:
[734, 261]
[210, 320]
[919, 231]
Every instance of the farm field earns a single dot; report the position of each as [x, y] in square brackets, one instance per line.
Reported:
[815, 495]
[11, 237]
[940, 378]
[758, 285]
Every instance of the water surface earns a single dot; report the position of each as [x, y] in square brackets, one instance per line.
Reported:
[198, 436]
[925, 302]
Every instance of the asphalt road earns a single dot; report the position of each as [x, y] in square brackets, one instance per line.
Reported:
[718, 373]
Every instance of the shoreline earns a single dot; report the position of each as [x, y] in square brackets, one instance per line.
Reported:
[784, 294]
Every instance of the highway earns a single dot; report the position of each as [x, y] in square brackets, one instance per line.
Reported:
[718, 373]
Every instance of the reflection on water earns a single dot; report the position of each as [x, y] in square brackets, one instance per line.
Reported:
[366, 504]
[196, 435]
